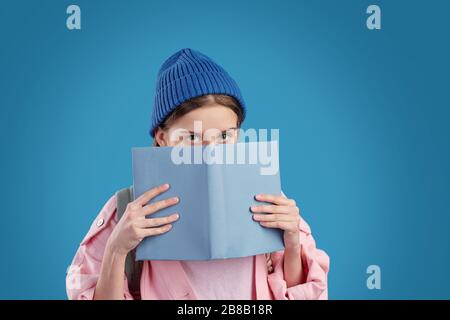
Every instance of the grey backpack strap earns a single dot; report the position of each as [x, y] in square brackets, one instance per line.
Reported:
[124, 197]
[133, 268]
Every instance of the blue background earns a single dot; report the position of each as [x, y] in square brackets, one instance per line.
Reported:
[363, 118]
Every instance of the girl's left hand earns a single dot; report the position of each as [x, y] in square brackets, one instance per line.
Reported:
[282, 213]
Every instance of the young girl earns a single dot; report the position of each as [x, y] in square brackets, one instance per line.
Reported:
[193, 88]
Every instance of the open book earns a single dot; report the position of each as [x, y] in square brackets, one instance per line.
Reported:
[216, 186]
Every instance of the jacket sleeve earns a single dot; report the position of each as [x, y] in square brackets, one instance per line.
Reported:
[83, 273]
[315, 271]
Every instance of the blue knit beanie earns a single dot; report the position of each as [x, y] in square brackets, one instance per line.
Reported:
[185, 75]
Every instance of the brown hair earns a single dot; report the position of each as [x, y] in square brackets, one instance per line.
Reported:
[198, 102]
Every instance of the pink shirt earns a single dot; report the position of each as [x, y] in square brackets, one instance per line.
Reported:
[227, 279]
[200, 279]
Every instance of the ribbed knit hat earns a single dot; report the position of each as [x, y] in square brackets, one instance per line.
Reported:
[185, 75]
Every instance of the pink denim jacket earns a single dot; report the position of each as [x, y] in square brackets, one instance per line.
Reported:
[167, 279]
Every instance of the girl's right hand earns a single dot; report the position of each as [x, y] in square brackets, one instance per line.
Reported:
[134, 226]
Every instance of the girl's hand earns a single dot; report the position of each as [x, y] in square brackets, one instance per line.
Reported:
[282, 213]
[134, 226]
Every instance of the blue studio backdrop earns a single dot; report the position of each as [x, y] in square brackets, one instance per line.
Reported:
[363, 117]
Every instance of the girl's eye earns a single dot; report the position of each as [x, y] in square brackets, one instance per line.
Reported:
[193, 137]
[226, 135]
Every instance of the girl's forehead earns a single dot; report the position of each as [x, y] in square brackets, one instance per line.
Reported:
[208, 117]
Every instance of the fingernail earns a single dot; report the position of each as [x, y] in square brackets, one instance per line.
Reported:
[166, 186]
[177, 199]
[253, 208]
[176, 216]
